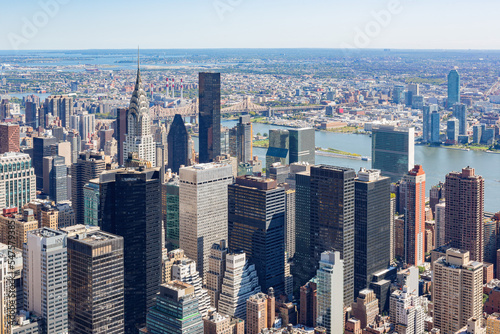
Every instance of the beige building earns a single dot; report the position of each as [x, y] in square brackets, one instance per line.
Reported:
[458, 291]
[216, 323]
[50, 218]
[215, 274]
[365, 309]
[16, 225]
[260, 312]
[493, 323]
[203, 212]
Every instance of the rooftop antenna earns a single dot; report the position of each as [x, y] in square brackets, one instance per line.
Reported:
[138, 58]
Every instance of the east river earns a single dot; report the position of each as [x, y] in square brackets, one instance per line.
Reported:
[436, 161]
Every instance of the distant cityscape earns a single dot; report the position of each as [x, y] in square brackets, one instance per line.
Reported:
[250, 191]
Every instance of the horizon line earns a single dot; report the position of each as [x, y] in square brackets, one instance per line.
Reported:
[257, 48]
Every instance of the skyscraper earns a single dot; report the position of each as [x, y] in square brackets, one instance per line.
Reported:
[398, 94]
[139, 138]
[9, 138]
[464, 212]
[175, 311]
[45, 278]
[427, 112]
[393, 150]
[331, 293]
[372, 218]
[58, 179]
[88, 166]
[414, 220]
[130, 207]
[239, 283]
[215, 274]
[209, 91]
[303, 268]
[452, 130]
[178, 144]
[434, 133]
[121, 132]
[460, 112]
[31, 114]
[278, 150]
[41, 149]
[95, 285]
[332, 201]
[457, 290]
[453, 88]
[76, 143]
[59, 106]
[256, 226]
[170, 212]
[17, 180]
[203, 210]
[302, 145]
[440, 220]
[244, 139]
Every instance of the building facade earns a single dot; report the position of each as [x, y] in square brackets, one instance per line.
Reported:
[256, 226]
[330, 295]
[17, 180]
[210, 128]
[130, 207]
[203, 210]
[457, 290]
[393, 150]
[464, 212]
[372, 219]
[139, 138]
[45, 278]
[95, 259]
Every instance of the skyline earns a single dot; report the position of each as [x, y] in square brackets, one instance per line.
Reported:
[394, 24]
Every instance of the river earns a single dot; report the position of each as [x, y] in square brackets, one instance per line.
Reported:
[436, 161]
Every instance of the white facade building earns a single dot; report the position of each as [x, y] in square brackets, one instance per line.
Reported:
[185, 271]
[17, 180]
[203, 211]
[239, 283]
[45, 282]
[330, 292]
[406, 312]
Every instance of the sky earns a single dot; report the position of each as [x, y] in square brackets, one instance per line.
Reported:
[168, 24]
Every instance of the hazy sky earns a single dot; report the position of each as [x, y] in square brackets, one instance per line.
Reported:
[165, 24]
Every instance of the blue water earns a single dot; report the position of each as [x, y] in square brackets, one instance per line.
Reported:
[436, 161]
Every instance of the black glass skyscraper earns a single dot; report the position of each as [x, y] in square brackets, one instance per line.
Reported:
[332, 218]
[372, 229]
[209, 93]
[41, 149]
[303, 269]
[130, 207]
[178, 144]
[256, 226]
[302, 145]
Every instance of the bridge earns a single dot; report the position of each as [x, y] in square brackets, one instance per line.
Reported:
[246, 106]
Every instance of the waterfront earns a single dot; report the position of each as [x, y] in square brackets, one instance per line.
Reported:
[437, 162]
